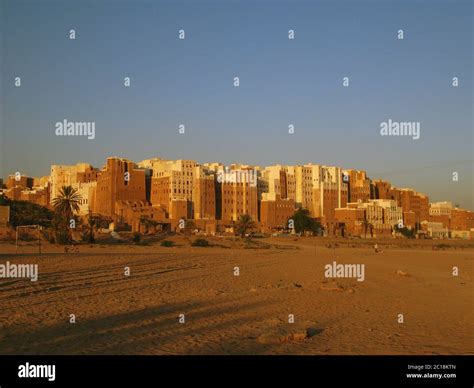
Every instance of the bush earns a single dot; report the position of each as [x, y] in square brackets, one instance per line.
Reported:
[408, 233]
[136, 238]
[167, 243]
[304, 223]
[87, 237]
[200, 242]
[442, 246]
[63, 238]
[28, 213]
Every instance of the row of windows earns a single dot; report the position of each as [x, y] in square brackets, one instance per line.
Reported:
[231, 201]
[182, 183]
[238, 211]
[178, 191]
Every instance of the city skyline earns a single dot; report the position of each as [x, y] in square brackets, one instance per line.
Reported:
[139, 164]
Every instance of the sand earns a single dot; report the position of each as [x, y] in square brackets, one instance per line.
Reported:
[245, 314]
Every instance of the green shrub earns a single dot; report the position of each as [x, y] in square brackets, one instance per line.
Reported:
[408, 233]
[304, 223]
[136, 238]
[167, 243]
[63, 237]
[87, 237]
[28, 213]
[200, 242]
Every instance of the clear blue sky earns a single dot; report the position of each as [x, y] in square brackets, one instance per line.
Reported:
[282, 82]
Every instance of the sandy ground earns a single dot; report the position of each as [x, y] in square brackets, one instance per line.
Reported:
[246, 314]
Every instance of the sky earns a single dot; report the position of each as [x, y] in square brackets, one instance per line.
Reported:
[282, 82]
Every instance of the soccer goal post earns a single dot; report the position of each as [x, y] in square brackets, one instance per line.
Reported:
[37, 228]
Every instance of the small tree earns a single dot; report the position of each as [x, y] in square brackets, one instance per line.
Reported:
[136, 238]
[200, 242]
[92, 222]
[245, 224]
[408, 233]
[303, 222]
[66, 204]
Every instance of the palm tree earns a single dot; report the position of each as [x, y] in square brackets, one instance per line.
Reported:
[66, 204]
[244, 224]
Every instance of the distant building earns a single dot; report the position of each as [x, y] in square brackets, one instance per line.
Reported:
[303, 186]
[81, 176]
[441, 209]
[63, 175]
[238, 193]
[440, 212]
[275, 211]
[410, 200]
[329, 192]
[409, 220]
[87, 191]
[178, 210]
[119, 180]
[141, 216]
[461, 220]
[39, 196]
[42, 182]
[358, 185]
[350, 221]
[434, 229]
[22, 181]
[14, 193]
[172, 181]
[204, 194]
[381, 190]
[377, 217]
[278, 180]
[463, 234]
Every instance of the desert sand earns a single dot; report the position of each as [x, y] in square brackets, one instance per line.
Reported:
[245, 314]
